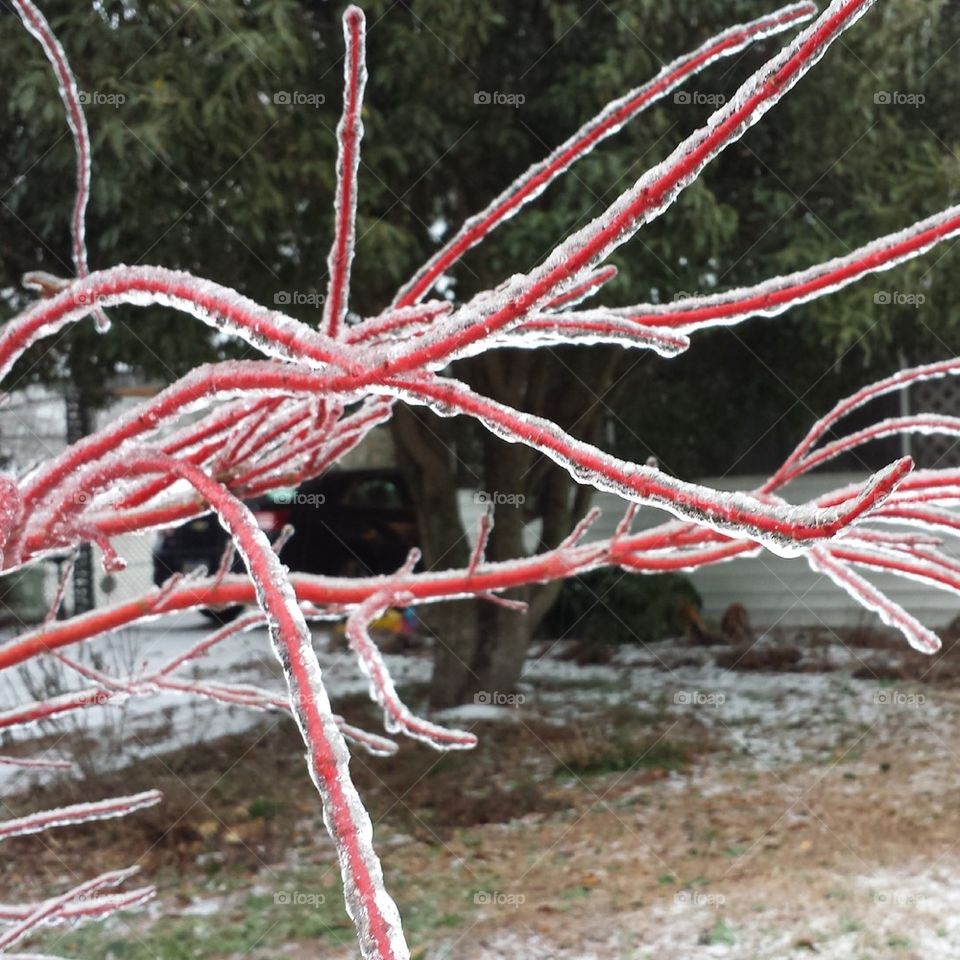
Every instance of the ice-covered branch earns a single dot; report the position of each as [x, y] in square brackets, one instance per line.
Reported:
[264, 424]
[88, 908]
[824, 561]
[49, 909]
[349, 134]
[900, 380]
[269, 331]
[372, 910]
[782, 530]
[398, 718]
[653, 193]
[609, 121]
[37, 25]
[774, 296]
[79, 813]
[34, 763]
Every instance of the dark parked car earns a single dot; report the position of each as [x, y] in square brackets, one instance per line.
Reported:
[348, 523]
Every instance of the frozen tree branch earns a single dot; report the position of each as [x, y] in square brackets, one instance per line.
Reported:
[230, 431]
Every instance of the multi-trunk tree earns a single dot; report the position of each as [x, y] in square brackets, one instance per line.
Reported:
[226, 128]
[258, 424]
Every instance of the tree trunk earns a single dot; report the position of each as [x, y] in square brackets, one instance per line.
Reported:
[480, 646]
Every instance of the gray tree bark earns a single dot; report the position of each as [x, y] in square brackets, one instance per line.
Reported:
[479, 646]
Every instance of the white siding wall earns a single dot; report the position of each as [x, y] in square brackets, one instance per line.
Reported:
[774, 590]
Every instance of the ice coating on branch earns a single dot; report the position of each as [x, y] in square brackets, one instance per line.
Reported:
[240, 625]
[397, 717]
[923, 516]
[34, 763]
[32, 956]
[315, 451]
[46, 284]
[37, 25]
[51, 908]
[783, 530]
[653, 193]
[79, 813]
[778, 294]
[399, 322]
[202, 386]
[898, 381]
[271, 332]
[88, 908]
[30, 714]
[290, 421]
[592, 282]
[584, 327]
[374, 913]
[927, 566]
[922, 423]
[609, 121]
[867, 595]
[349, 135]
[11, 512]
[902, 540]
[254, 698]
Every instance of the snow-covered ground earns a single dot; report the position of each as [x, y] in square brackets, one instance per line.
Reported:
[768, 719]
[141, 726]
[780, 734]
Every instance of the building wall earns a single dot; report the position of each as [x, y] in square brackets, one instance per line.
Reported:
[786, 592]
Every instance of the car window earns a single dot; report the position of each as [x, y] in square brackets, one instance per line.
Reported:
[380, 493]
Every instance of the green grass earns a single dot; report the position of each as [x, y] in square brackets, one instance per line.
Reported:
[721, 934]
[254, 926]
[620, 753]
